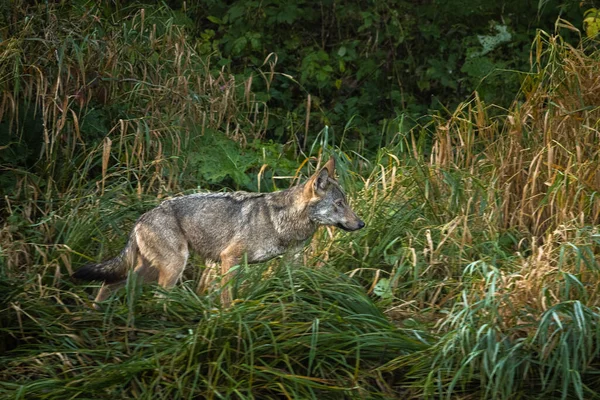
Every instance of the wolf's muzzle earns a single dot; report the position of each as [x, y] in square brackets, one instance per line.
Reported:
[354, 227]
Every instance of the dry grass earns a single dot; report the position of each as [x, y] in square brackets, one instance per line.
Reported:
[115, 108]
[481, 237]
[543, 162]
[515, 248]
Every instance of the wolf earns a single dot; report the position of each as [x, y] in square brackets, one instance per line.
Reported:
[224, 228]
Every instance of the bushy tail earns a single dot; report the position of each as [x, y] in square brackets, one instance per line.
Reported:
[113, 270]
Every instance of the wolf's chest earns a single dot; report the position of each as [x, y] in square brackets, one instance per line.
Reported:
[265, 251]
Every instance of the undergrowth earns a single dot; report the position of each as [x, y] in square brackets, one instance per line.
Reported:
[475, 277]
[299, 334]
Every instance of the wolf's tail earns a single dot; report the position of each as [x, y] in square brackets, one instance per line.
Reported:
[113, 270]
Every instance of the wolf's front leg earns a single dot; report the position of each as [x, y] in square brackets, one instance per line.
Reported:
[229, 257]
[295, 255]
[208, 277]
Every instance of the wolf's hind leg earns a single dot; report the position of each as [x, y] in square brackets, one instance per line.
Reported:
[170, 264]
[163, 247]
[146, 273]
[169, 271]
[106, 290]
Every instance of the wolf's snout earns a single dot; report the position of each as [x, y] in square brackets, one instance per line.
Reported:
[358, 225]
[353, 226]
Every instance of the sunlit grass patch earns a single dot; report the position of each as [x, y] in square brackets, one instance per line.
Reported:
[533, 331]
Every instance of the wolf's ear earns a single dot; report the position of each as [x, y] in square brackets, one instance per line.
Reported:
[330, 167]
[322, 181]
[316, 185]
[319, 182]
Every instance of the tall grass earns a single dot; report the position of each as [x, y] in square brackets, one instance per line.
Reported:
[475, 277]
[94, 111]
[121, 108]
[302, 333]
[507, 215]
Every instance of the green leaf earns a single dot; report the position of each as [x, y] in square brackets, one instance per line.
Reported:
[383, 288]
[215, 20]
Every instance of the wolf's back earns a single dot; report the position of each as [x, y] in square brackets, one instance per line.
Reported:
[113, 270]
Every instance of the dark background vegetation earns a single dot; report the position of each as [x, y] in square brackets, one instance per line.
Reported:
[369, 67]
[365, 63]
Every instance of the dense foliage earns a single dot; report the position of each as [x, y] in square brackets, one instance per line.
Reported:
[358, 67]
[365, 63]
[476, 276]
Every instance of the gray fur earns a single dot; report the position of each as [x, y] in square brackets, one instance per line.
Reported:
[222, 227]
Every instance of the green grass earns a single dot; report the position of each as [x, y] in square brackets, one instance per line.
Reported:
[476, 276]
[299, 333]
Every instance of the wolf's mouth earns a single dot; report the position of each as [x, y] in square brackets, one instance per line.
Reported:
[347, 229]
[339, 225]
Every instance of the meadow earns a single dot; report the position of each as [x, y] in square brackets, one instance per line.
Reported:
[476, 276]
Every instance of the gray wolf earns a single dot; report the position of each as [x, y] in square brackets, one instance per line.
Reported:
[223, 227]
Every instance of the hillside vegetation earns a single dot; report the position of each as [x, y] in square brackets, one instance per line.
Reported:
[476, 276]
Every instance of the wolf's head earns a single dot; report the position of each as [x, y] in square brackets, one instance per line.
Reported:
[327, 204]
